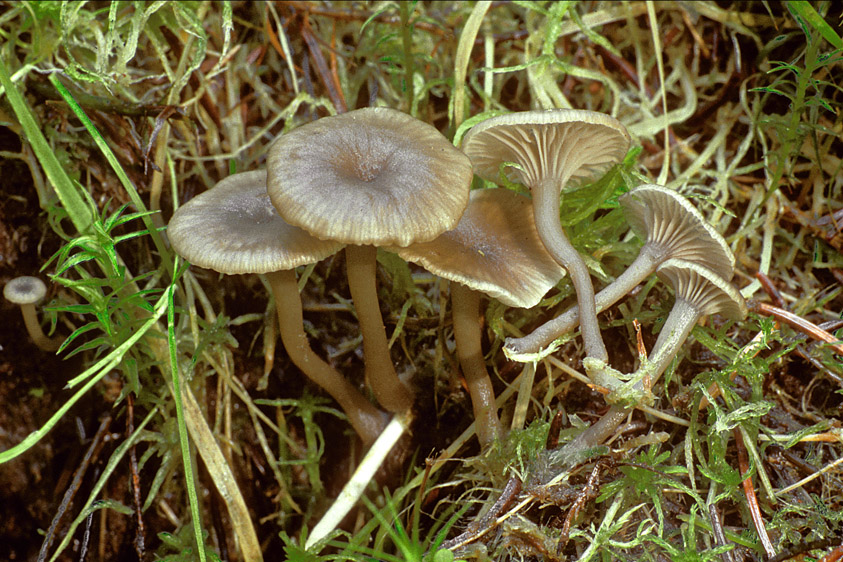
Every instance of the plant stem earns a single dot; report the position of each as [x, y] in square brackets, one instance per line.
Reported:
[407, 37]
[355, 487]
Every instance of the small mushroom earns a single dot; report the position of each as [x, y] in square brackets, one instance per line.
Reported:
[234, 229]
[671, 228]
[552, 148]
[367, 178]
[26, 292]
[699, 292]
[495, 250]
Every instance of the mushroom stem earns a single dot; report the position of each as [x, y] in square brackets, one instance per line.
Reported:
[33, 326]
[366, 420]
[465, 306]
[390, 392]
[643, 266]
[546, 209]
[573, 452]
[676, 329]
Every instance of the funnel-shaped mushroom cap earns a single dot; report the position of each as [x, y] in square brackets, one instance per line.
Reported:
[494, 249]
[666, 219]
[233, 228]
[25, 290]
[373, 176]
[705, 290]
[568, 144]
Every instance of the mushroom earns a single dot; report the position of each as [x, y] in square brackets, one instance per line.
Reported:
[26, 292]
[234, 229]
[495, 250]
[552, 148]
[367, 178]
[699, 292]
[671, 228]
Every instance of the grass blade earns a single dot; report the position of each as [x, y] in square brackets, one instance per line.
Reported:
[184, 441]
[118, 169]
[77, 208]
[802, 9]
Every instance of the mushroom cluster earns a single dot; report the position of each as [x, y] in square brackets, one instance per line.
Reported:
[376, 177]
[234, 229]
[545, 151]
[368, 178]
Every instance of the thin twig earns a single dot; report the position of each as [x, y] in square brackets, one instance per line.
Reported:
[719, 535]
[588, 493]
[797, 322]
[751, 498]
[133, 466]
[483, 525]
[67, 499]
[553, 432]
[334, 92]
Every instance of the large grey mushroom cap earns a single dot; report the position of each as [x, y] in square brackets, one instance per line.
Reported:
[705, 290]
[494, 249]
[234, 228]
[661, 216]
[571, 144]
[373, 176]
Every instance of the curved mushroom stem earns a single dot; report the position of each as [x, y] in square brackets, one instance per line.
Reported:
[573, 452]
[33, 326]
[549, 227]
[390, 392]
[465, 304]
[366, 420]
[681, 320]
[643, 266]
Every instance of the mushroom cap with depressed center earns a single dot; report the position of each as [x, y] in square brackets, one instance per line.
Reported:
[572, 144]
[25, 290]
[663, 217]
[494, 249]
[373, 176]
[234, 228]
[705, 290]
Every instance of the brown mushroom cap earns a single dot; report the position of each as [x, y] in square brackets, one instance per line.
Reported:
[494, 249]
[663, 217]
[562, 143]
[373, 176]
[234, 228]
